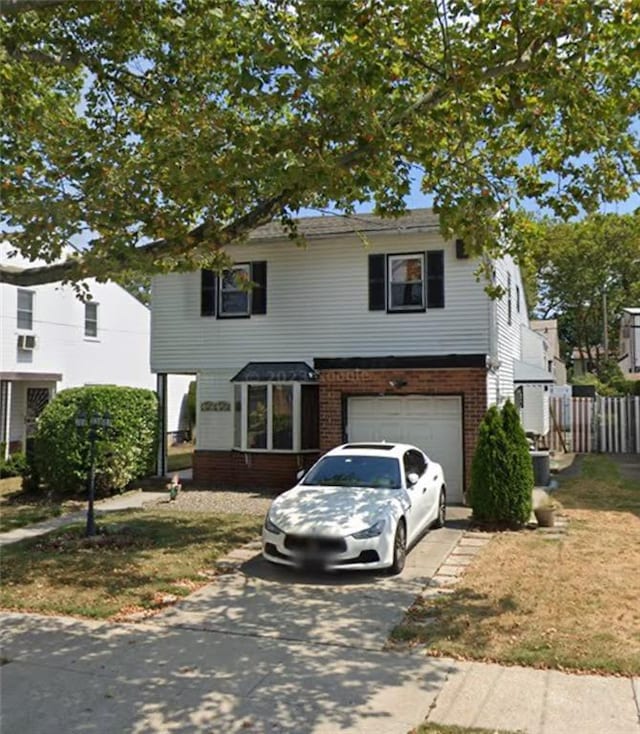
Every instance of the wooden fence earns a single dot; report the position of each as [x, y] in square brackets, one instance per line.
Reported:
[585, 425]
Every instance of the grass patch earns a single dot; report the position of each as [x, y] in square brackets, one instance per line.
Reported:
[600, 487]
[18, 508]
[141, 561]
[566, 604]
[180, 457]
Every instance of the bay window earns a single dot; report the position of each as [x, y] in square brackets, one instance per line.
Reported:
[278, 416]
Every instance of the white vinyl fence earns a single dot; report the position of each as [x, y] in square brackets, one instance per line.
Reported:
[585, 425]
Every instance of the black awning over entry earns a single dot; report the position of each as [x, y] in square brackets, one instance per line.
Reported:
[276, 372]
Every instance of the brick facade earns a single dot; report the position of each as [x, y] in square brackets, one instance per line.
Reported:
[256, 471]
[278, 471]
[338, 384]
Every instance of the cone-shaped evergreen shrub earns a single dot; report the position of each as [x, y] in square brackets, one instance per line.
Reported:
[519, 468]
[489, 471]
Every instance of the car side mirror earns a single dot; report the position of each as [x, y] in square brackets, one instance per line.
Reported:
[412, 478]
[300, 474]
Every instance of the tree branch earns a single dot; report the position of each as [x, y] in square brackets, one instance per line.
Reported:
[264, 211]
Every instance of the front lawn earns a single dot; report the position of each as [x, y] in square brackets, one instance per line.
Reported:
[567, 604]
[18, 508]
[141, 561]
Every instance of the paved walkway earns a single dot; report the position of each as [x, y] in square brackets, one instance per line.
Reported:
[265, 650]
[126, 501]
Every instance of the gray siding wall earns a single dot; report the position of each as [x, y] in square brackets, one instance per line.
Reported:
[508, 336]
[317, 306]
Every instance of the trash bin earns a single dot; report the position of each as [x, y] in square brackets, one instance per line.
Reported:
[541, 470]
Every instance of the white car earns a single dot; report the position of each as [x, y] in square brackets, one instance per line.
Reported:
[360, 506]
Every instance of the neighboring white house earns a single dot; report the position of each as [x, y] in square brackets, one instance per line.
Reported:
[393, 339]
[629, 350]
[548, 328]
[50, 340]
[534, 378]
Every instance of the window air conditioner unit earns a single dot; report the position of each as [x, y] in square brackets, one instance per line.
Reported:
[27, 342]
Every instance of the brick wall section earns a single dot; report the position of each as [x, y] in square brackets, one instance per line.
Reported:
[263, 471]
[471, 384]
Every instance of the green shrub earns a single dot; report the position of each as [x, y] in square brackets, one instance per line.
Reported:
[519, 469]
[489, 469]
[501, 472]
[62, 450]
[14, 466]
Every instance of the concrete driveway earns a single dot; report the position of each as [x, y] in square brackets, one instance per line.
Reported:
[354, 609]
[260, 650]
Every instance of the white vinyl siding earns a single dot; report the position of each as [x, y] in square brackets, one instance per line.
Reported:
[215, 429]
[317, 307]
[508, 335]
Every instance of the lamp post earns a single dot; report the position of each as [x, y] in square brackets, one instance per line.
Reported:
[99, 427]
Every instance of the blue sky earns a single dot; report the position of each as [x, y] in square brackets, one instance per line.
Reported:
[417, 200]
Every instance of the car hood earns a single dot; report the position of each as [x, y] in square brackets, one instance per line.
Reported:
[316, 510]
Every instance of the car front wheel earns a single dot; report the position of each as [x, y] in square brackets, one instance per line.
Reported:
[399, 549]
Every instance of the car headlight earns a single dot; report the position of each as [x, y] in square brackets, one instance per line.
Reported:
[371, 532]
[271, 526]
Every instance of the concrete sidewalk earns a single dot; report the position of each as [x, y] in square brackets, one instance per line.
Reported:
[91, 677]
[129, 500]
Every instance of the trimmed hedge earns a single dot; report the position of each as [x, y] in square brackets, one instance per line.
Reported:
[62, 451]
[501, 472]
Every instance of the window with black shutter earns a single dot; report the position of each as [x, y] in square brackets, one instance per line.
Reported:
[435, 279]
[208, 292]
[377, 283]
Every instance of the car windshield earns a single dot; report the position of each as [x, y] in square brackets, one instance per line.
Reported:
[379, 472]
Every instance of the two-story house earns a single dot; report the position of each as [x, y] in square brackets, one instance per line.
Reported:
[50, 340]
[376, 329]
[629, 349]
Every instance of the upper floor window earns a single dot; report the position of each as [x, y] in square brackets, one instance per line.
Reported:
[235, 293]
[509, 308]
[25, 309]
[91, 319]
[406, 282]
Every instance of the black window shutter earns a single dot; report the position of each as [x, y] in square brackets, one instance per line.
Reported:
[461, 252]
[208, 283]
[435, 279]
[377, 283]
[259, 292]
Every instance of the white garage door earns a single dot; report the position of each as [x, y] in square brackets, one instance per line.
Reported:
[434, 424]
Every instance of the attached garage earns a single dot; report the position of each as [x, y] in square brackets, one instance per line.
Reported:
[433, 423]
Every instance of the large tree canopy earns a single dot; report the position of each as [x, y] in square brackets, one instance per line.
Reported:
[167, 129]
[581, 268]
